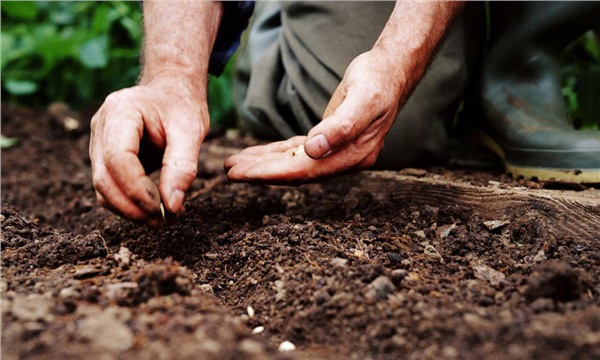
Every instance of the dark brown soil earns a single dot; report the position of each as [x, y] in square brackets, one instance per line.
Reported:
[337, 270]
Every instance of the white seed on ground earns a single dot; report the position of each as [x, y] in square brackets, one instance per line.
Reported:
[258, 329]
[71, 123]
[250, 310]
[287, 346]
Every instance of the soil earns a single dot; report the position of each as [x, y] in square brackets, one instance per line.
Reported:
[338, 270]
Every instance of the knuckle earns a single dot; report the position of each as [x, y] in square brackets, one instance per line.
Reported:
[94, 123]
[186, 169]
[111, 156]
[99, 183]
[368, 161]
[348, 129]
[112, 98]
[116, 98]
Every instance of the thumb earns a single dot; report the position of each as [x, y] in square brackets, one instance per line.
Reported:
[346, 123]
[180, 163]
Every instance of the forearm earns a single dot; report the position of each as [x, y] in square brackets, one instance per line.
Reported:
[412, 34]
[179, 37]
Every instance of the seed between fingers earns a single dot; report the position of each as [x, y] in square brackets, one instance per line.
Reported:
[299, 151]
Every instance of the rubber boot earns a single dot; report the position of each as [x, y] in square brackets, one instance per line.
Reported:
[526, 120]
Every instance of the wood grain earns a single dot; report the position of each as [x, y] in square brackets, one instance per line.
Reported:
[574, 213]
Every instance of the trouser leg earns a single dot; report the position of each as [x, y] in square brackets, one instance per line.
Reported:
[262, 35]
[293, 78]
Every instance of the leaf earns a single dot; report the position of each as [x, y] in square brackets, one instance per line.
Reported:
[6, 142]
[20, 87]
[133, 27]
[63, 13]
[103, 19]
[94, 53]
[8, 44]
[20, 10]
[591, 44]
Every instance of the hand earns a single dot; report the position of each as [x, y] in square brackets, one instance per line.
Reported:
[159, 116]
[350, 137]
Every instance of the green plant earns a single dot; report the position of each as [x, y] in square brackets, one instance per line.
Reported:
[581, 79]
[79, 52]
[220, 97]
[76, 52]
[6, 142]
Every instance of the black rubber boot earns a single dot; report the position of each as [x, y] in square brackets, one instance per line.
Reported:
[526, 120]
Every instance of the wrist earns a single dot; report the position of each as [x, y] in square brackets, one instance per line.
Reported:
[173, 80]
[409, 48]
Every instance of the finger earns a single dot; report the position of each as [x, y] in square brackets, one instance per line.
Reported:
[180, 162]
[257, 157]
[283, 169]
[334, 102]
[111, 197]
[356, 111]
[122, 137]
[278, 146]
[279, 171]
[152, 222]
[107, 191]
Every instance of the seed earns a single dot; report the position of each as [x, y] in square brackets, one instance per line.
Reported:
[287, 346]
[250, 311]
[258, 329]
[162, 210]
[299, 150]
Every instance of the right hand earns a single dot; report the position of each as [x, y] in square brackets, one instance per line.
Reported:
[350, 137]
[171, 118]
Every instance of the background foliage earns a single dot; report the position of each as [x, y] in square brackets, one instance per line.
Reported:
[79, 52]
[71, 51]
[581, 74]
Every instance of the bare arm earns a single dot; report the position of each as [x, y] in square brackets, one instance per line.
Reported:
[168, 108]
[179, 36]
[363, 107]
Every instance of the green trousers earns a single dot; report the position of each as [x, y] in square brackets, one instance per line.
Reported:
[297, 52]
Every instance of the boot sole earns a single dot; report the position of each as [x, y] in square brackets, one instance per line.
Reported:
[576, 176]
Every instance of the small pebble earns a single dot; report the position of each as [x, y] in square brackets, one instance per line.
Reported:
[420, 233]
[123, 257]
[394, 257]
[207, 288]
[287, 346]
[495, 224]
[339, 262]
[68, 292]
[380, 288]
[486, 273]
[444, 231]
[86, 272]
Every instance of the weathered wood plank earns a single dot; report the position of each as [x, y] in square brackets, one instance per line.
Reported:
[575, 213]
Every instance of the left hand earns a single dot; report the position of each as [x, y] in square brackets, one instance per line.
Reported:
[350, 137]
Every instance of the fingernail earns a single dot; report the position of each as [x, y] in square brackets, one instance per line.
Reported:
[176, 199]
[317, 146]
